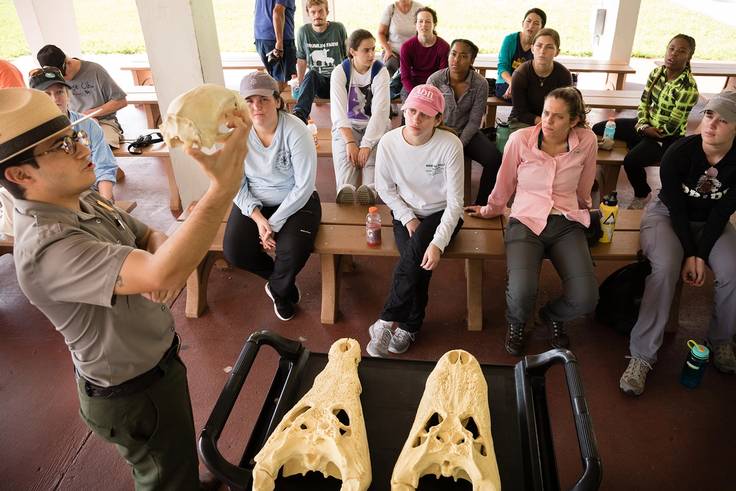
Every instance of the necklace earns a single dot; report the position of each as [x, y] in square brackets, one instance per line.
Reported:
[542, 80]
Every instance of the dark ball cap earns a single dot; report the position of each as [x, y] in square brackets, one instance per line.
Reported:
[51, 55]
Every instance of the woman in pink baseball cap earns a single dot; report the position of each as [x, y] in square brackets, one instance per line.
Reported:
[419, 175]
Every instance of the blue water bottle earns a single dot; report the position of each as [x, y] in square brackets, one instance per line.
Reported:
[694, 367]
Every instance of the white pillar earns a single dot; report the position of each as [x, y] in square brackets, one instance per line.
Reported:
[49, 22]
[181, 42]
[617, 38]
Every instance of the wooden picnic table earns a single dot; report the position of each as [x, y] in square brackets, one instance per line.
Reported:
[141, 70]
[711, 69]
[485, 63]
[598, 99]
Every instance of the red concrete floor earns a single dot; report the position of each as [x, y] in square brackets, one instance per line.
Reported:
[670, 438]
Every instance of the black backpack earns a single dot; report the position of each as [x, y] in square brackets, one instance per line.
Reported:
[620, 295]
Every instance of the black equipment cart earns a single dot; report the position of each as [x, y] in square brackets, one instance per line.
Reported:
[392, 389]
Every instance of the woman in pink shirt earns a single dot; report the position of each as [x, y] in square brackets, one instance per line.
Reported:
[550, 167]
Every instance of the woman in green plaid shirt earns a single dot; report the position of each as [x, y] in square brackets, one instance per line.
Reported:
[668, 97]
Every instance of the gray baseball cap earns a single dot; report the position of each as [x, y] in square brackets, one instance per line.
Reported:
[724, 104]
[258, 83]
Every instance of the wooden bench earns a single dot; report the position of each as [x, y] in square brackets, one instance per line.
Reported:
[144, 97]
[7, 242]
[342, 234]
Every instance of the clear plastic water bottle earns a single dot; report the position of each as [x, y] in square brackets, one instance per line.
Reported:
[294, 84]
[610, 132]
[313, 130]
[694, 367]
[373, 227]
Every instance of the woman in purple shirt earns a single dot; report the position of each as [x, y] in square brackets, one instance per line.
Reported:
[423, 54]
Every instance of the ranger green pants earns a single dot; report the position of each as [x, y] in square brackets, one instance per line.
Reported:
[153, 429]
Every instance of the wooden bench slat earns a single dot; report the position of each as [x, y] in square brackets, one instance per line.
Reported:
[340, 214]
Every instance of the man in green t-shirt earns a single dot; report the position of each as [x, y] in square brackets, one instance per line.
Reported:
[321, 46]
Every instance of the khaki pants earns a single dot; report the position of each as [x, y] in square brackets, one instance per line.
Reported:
[153, 430]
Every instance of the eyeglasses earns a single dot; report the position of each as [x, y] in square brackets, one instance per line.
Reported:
[46, 73]
[68, 143]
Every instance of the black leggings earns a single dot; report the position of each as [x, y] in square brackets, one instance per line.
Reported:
[643, 152]
[294, 244]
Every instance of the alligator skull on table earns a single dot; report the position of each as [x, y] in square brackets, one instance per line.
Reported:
[325, 431]
[451, 434]
[199, 116]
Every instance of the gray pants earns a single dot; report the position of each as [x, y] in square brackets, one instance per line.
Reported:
[345, 172]
[663, 248]
[563, 241]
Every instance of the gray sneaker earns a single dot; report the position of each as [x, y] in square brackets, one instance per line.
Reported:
[639, 203]
[635, 376]
[723, 357]
[366, 196]
[381, 336]
[346, 195]
[401, 341]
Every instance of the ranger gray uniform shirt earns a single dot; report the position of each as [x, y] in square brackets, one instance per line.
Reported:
[67, 264]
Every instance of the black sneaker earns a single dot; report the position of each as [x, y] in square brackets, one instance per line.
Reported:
[283, 307]
[558, 338]
[515, 339]
[295, 295]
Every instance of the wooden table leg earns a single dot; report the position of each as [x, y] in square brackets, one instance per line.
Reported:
[330, 265]
[197, 286]
[620, 80]
[174, 197]
[490, 115]
[474, 290]
[609, 177]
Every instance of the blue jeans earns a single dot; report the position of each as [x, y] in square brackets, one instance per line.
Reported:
[283, 69]
[314, 85]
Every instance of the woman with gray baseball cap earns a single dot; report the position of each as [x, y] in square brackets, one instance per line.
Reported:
[277, 209]
[684, 229]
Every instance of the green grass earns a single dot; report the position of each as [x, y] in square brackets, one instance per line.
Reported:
[111, 26]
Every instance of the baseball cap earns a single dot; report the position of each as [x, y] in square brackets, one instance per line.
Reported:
[43, 78]
[51, 55]
[425, 98]
[258, 83]
[724, 104]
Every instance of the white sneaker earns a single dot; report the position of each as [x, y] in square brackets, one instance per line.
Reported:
[401, 341]
[381, 335]
[366, 195]
[346, 195]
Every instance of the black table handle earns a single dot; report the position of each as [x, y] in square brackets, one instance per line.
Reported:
[232, 475]
[593, 470]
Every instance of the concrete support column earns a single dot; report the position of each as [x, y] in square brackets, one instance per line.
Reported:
[49, 22]
[181, 42]
[616, 38]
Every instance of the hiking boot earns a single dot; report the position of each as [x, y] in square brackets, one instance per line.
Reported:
[366, 196]
[381, 335]
[401, 341]
[346, 195]
[558, 338]
[634, 377]
[515, 339]
[723, 357]
[283, 307]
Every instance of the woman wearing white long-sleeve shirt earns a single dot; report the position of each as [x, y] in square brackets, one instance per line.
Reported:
[419, 175]
[277, 208]
[360, 108]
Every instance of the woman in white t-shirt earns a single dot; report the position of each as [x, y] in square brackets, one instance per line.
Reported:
[419, 175]
[359, 109]
[397, 24]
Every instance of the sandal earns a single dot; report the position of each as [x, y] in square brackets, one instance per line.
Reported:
[136, 147]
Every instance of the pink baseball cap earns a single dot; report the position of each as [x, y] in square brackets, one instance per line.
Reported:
[425, 98]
